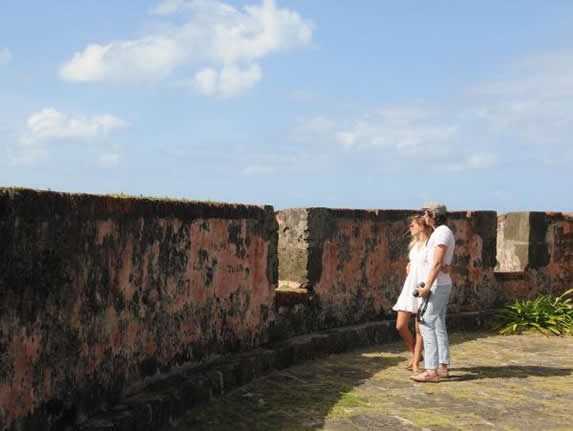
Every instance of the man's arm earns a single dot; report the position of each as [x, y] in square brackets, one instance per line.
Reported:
[439, 253]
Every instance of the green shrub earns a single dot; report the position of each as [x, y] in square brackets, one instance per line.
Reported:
[547, 314]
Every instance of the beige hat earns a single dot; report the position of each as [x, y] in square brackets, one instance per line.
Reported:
[435, 207]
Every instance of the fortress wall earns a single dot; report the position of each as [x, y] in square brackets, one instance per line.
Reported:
[535, 253]
[98, 294]
[352, 262]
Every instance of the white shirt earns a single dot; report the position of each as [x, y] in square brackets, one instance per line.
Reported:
[442, 235]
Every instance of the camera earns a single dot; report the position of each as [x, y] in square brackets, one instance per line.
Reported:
[421, 284]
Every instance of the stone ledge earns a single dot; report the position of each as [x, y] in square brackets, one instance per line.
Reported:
[289, 297]
[163, 403]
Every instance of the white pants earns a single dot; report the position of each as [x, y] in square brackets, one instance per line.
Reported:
[433, 328]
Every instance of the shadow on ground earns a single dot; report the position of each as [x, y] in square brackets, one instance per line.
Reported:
[505, 372]
[492, 377]
[301, 397]
[297, 398]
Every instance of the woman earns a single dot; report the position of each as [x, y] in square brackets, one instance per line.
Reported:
[436, 289]
[407, 304]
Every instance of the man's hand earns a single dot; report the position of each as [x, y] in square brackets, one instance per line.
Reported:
[423, 291]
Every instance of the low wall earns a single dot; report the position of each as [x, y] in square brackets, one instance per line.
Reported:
[99, 293]
[535, 249]
[352, 263]
[99, 296]
[513, 241]
[556, 276]
[475, 288]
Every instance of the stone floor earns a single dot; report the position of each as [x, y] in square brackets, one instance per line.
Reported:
[497, 382]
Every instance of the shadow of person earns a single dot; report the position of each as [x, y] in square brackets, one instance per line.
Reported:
[505, 372]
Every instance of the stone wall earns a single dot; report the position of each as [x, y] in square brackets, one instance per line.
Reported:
[474, 261]
[352, 263]
[536, 250]
[513, 241]
[98, 294]
[101, 295]
[293, 245]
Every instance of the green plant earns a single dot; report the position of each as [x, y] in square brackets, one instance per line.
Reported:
[547, 314]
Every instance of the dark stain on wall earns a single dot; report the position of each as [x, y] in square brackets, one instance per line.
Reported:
[538, 253]
[98, 293]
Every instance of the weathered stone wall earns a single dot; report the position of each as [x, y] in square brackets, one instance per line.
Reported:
[474, 261]
[542, 244]
[98, 293]
[355, 263]
[512, 241]
[557, 275]
[293, 244]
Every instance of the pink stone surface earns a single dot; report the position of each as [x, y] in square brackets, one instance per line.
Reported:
[132, 295]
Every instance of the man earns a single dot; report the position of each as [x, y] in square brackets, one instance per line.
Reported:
[436, 290]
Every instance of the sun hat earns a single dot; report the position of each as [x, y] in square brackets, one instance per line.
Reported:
[435, 207]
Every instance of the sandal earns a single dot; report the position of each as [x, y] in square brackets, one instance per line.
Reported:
[443, 372]
[409, 364]
[413, 367]
[426, 377]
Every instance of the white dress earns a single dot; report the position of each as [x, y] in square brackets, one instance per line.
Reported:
[407, 301]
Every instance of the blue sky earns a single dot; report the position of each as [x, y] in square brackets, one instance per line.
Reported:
[369, 104]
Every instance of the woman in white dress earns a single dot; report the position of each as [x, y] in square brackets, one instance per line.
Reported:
[407, 304]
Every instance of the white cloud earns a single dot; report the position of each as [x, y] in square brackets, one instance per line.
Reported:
[26, 157]
[533, 102]
[529, 110]
[52, 125]
[5, 56]
[257, 170]
[348, 139]
[547, 75]
[283, 159]
[408, 130]
[474, 161]
[168, 7]
[230, 81]
[220, 41]
[146, 59]
[48, 128]
[108, 160]
[319, 127]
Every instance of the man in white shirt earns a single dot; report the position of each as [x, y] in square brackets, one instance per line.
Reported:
[436, 292]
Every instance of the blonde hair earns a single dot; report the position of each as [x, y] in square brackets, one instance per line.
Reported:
[426, 229]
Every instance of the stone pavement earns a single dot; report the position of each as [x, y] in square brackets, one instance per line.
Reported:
[521, 382]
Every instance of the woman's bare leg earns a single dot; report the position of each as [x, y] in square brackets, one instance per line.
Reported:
[418, 347]
[402, 326]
